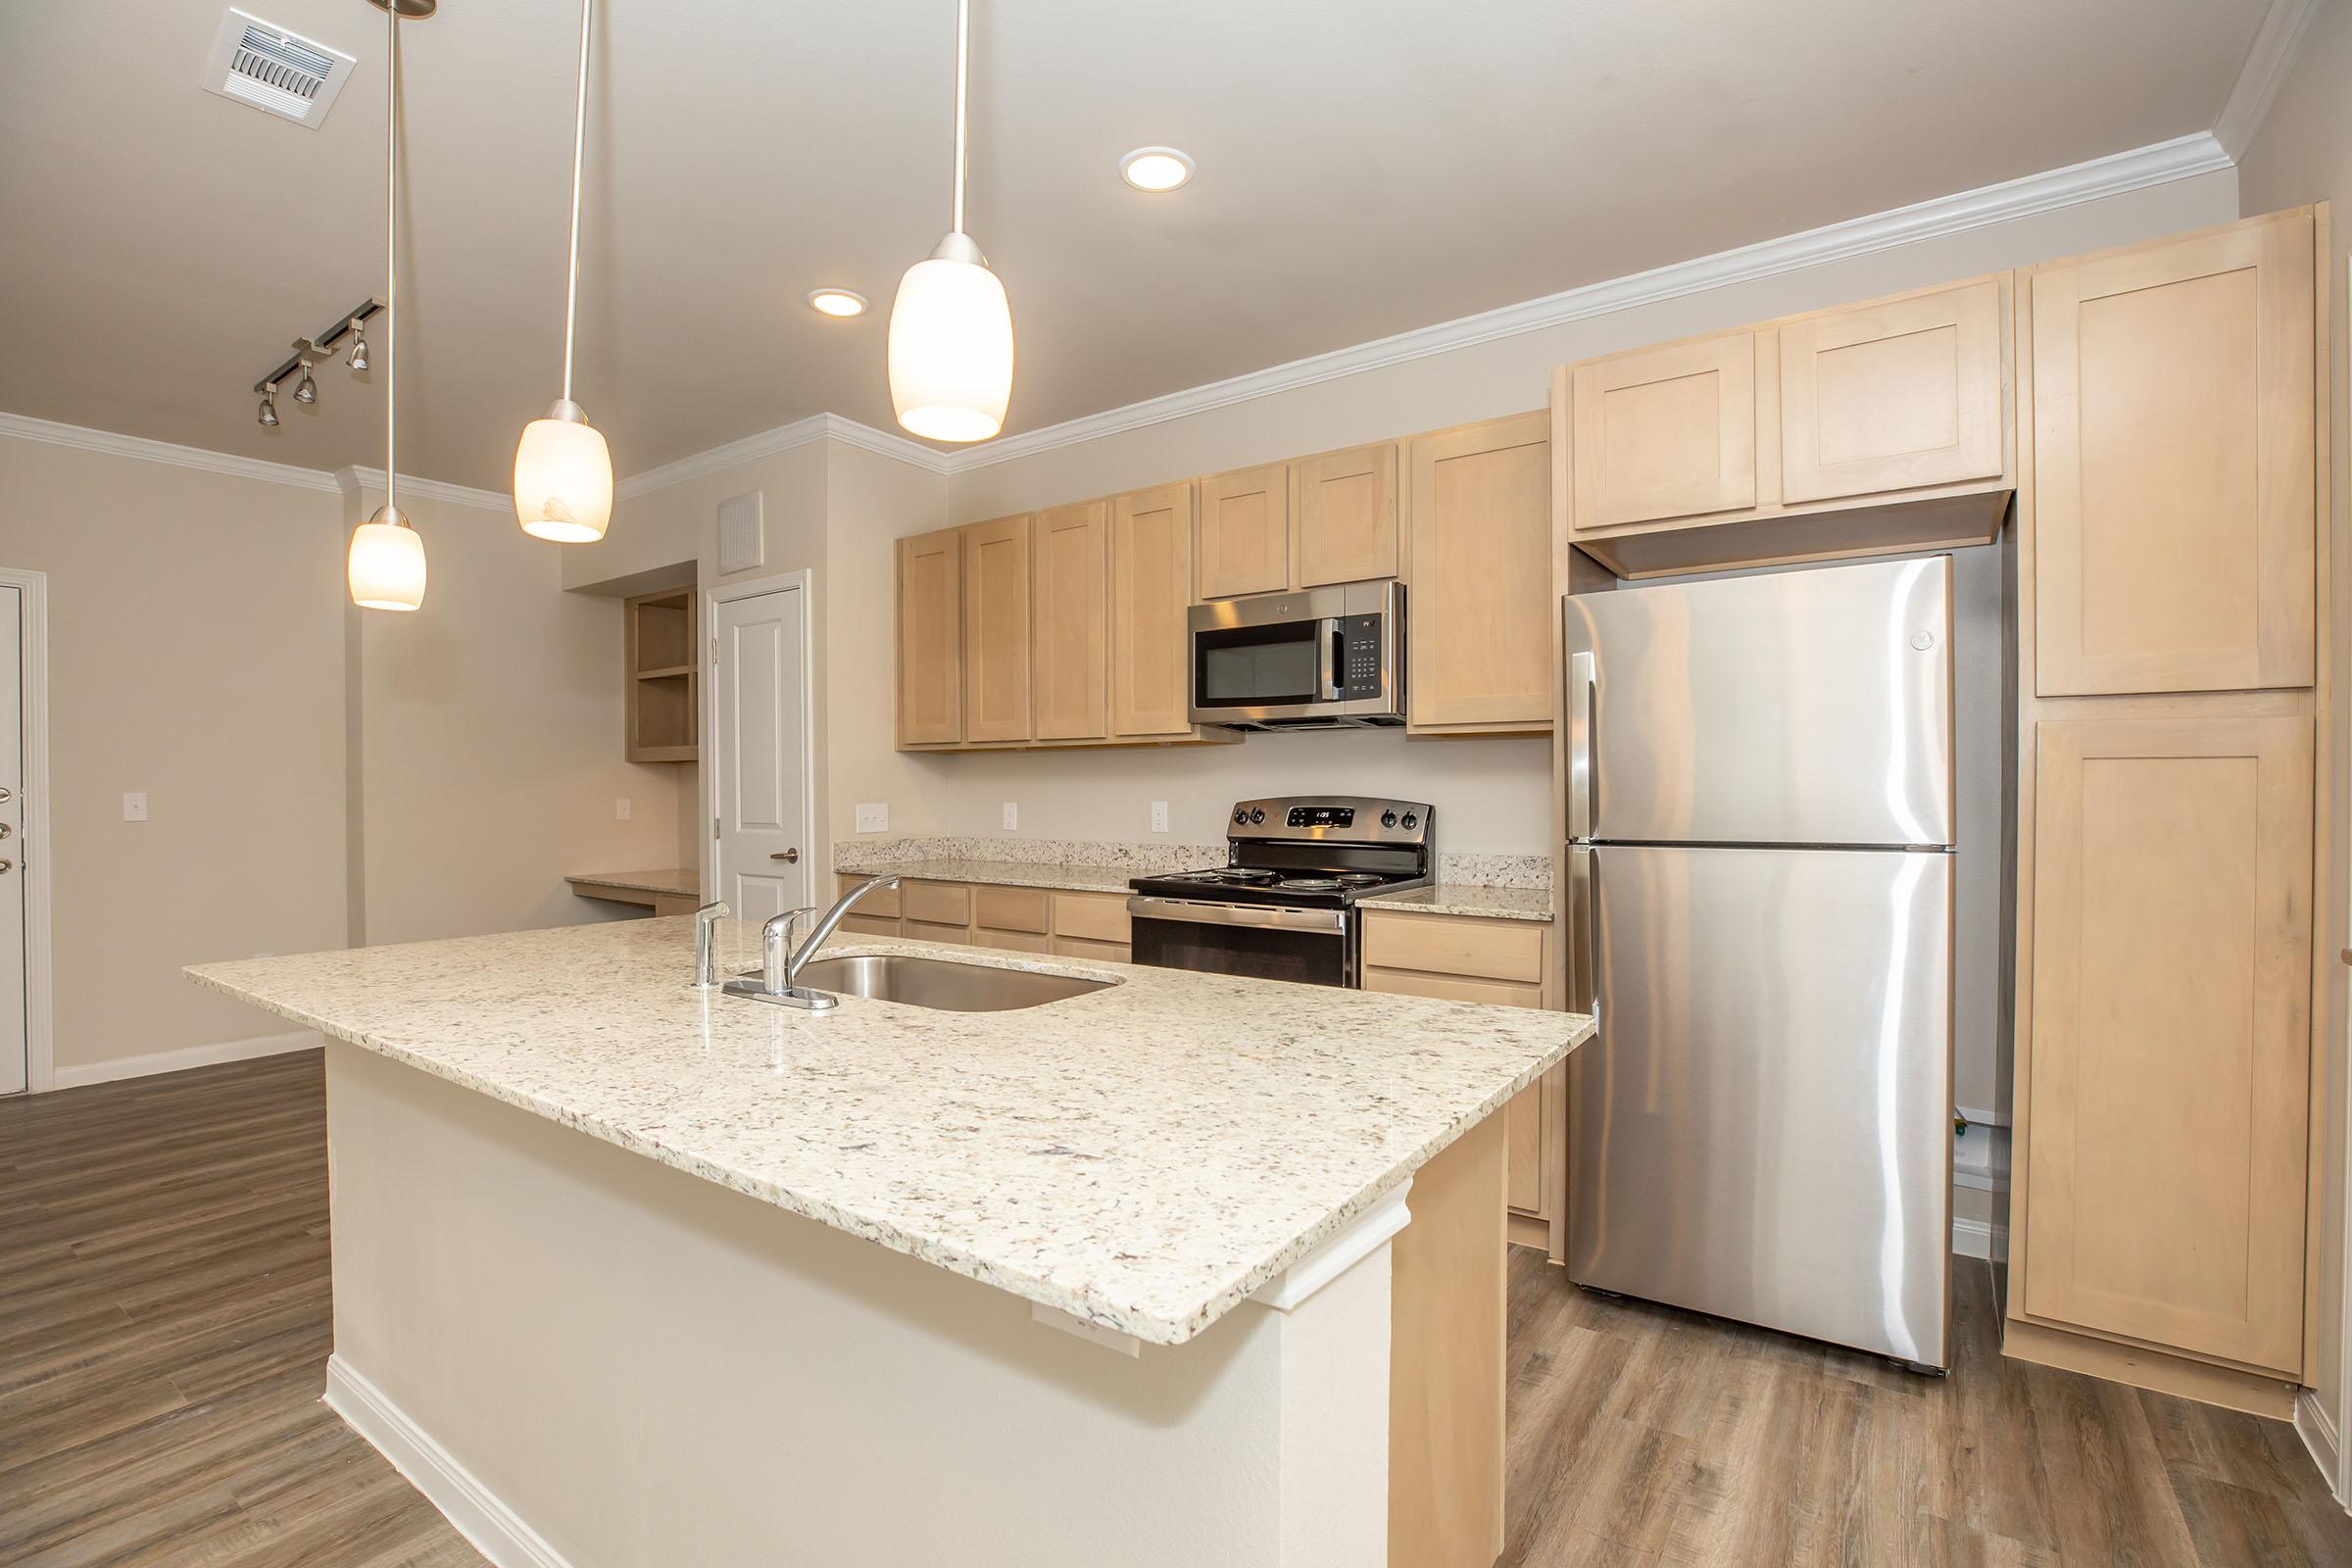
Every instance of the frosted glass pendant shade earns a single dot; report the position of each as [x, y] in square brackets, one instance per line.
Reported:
[563, 478]
[951, 346]
[386, 566]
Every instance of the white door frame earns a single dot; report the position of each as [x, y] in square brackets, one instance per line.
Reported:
[32, 858]
[713, 757]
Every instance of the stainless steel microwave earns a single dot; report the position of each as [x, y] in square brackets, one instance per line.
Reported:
[1329, 657]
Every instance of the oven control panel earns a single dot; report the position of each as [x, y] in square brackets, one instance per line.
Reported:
[1320, 817]
[1327, 818]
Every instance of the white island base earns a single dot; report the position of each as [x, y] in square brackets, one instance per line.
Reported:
[584, 1356]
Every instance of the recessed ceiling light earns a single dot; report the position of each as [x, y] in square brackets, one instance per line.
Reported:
[837, 301]
[1155, 169]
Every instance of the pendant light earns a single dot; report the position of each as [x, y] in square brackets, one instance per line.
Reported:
[386, 566]
[563, 468]
[951, 329]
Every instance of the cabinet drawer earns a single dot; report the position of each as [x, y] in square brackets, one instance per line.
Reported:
[880, 904]
[936, 903]
[1012, 941]
[1093, 916]
[1010, 909]
[1453, 945]
[1081, 947]
[1454, 988]
[860, 925]
[920, 932]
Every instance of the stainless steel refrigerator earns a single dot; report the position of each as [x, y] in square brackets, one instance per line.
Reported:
[1760, 836]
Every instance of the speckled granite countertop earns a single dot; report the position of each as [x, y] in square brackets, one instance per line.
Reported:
[1004, 873]
[1469, 898]
[1144, 1156]
[687, 884]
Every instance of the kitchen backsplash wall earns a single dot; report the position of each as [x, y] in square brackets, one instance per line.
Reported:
[880, 853]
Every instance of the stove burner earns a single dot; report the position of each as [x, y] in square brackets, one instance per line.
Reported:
[1238, 876]
[1360, 879]
[1310, 884]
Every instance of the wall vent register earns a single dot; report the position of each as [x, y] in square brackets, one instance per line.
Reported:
[262, 65]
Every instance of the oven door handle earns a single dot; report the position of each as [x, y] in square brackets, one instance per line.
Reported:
[1330, 922]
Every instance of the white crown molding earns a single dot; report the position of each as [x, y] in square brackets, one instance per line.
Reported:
[117, 445]
[356, 478]
[2111, 175]
[784, 438]
[2268, 62]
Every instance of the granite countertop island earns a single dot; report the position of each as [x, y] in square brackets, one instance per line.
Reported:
[1143, 1157]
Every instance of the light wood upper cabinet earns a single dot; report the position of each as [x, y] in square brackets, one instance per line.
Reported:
[1666, 432]
[1479, 514]
[1894, 396]
[1346, 511]
[2174, 472]
[1245, 533]
[2171, 1032]
[930, 638]
[996, 634]
[1151, 583]
[1070, 660]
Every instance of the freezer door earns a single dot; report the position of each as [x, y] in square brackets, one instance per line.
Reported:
[1809, 706]
[1762, 1127]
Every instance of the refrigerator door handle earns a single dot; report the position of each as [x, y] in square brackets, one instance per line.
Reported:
[1583, 930]
[1582, 678]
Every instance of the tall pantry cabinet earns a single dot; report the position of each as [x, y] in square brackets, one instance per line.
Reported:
[2171, 542]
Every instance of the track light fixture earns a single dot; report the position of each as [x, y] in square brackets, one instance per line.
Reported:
[313, 352]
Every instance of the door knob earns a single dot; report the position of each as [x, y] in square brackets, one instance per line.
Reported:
[5, 830]
[788, 856]
[7, 867]
[6, 793]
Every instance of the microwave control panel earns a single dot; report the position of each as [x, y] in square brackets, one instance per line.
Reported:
[1359, 643]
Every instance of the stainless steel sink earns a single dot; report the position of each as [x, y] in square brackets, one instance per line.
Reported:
[943, 983]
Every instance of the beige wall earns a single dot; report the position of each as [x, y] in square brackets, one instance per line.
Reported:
[195, 653]
[2304, 154]
[492, 750]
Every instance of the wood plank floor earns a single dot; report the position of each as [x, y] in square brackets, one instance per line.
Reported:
[164, 1328]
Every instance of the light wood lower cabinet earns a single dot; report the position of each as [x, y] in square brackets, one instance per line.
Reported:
[1478, 508]
[2172, 1033]
[1064, 923]
[1504, 963]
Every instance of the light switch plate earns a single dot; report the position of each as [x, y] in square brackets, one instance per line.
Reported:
[1012, 815]
[1159, 816]
[134, 808]
[873, 816]
[620, 809]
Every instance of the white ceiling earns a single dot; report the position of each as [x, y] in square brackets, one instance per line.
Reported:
[1365, 166]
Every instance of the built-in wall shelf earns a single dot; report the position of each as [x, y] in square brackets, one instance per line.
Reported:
[665, 682]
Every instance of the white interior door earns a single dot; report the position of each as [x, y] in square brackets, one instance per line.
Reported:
[12, 1064]
[761, 734]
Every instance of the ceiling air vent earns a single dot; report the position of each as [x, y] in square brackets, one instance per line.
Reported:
[276, 72]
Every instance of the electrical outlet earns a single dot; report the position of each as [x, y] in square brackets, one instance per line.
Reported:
[134, 808]
[1012, 815]
[1159, 816]
[873, 816]
[620, 809]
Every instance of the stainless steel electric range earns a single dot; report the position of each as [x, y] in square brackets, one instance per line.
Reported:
[1284, 907]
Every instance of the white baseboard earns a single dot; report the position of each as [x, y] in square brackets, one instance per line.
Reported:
[2320, 1439]
[73, 1075]
[496, 1530]
[1972, 1238]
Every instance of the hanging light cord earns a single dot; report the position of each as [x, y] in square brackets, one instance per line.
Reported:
[964, 43]
[580, 139]
[392, 262]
